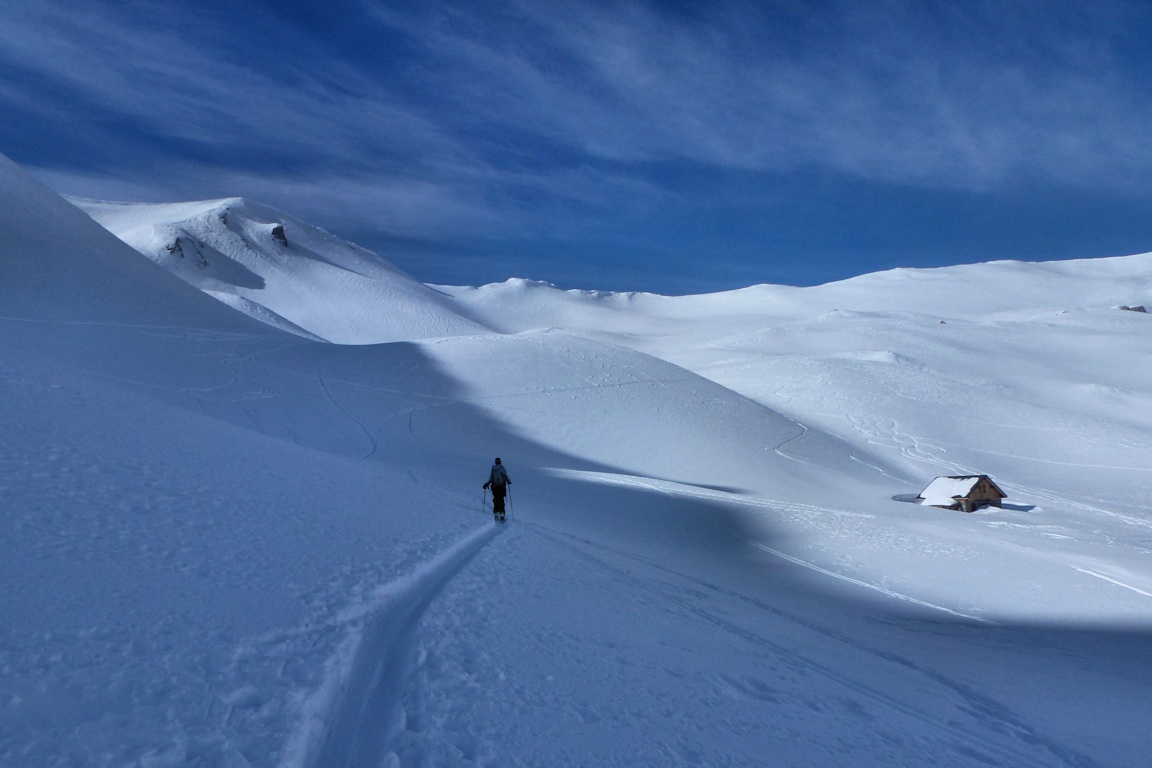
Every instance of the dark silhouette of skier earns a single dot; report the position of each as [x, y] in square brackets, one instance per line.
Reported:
[498, 481]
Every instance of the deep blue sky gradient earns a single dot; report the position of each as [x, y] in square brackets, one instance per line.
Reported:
[675, 147]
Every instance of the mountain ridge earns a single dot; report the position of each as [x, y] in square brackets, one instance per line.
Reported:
[268, 264]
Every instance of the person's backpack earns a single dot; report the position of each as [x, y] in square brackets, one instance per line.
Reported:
[499, 476]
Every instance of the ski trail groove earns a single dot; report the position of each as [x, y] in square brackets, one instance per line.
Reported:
[358, 422]
[357, 713]
[876, 587]
[1111, 580]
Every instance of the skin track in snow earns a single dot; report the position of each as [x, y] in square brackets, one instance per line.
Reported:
[356, 716]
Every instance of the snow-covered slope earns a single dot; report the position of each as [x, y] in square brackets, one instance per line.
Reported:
[178, 503]
[60, 265]
[230, 545]
[1027, 372]
[991, 291]
[278, 269]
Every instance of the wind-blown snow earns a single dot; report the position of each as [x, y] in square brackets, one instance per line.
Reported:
[231, 545]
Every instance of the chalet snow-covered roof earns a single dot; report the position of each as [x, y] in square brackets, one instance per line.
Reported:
[945, 490]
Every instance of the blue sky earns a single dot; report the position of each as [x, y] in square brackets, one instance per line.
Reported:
[676, 147]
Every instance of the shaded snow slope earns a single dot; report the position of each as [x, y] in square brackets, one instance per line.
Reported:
[174, 585]
[276, 268]
[60, 265]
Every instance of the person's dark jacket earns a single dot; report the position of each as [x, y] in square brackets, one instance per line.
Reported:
[498, 477]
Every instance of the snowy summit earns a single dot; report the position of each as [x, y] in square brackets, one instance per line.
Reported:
[283, 271]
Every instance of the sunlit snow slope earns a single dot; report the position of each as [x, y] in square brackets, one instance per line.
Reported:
[277, 268]
[1029, 372]
[231, 543]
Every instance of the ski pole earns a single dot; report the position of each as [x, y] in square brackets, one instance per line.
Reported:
[484, 501]
[509, 499]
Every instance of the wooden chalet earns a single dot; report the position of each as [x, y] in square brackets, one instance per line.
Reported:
[963, 492]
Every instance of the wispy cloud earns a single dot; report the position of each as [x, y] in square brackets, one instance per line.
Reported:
[909, 93]
[191, 79]
[915, 93]
[515, 119]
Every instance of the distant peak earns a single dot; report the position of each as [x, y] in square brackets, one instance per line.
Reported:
[523, 282]
[226, 205]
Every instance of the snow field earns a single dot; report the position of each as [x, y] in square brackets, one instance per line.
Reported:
[565, 651]
[234, 546]
[166, 571]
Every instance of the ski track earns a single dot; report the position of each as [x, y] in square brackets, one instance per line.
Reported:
[357, 713]
[1111, 580]
[803, 432]
[372, 441]
[871, 586]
